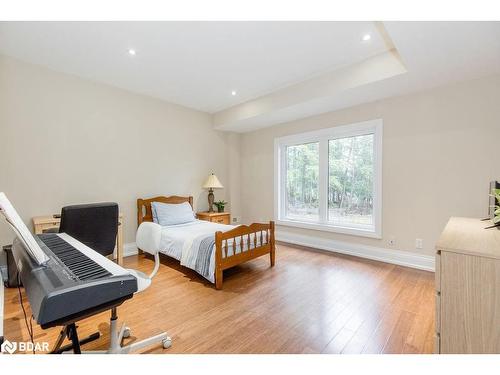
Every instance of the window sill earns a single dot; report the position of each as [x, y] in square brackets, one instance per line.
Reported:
[330, 228]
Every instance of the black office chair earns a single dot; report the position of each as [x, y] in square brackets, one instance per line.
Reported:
[95, 225]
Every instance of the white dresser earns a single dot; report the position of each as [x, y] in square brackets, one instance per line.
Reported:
[468, 288]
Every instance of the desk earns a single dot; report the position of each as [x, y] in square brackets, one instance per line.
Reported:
[1, 309]
[468, 288]
[48, 223]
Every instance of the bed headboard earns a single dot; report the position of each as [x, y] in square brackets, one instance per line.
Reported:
[144, 206]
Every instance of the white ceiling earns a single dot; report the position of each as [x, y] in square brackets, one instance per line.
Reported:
[271, 65]
[433, 54]
[196, 64]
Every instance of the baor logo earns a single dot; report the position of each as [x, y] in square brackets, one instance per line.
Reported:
[24, 346]
[8, 347]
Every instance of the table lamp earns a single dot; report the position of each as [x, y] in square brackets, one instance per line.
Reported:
[212, 183]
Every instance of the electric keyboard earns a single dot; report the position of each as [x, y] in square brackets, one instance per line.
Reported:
[73, 283]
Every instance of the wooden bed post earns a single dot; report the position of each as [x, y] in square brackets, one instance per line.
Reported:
[272, 254]
[218, 261]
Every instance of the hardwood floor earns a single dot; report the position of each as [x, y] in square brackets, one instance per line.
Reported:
[310, 302]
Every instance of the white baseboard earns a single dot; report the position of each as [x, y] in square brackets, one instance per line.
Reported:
[129, 249]
[402, 258]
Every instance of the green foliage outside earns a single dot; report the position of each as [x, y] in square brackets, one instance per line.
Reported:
[496, 219]
[350, 190]
[302, 180]
[350, 179]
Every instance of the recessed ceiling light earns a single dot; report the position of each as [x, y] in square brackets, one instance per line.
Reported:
[366, 37]
[131, 52]
[233, 93]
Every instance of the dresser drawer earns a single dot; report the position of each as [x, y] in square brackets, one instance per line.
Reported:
[215, 217]
[220, 219]
[437, 273]
[438, 312]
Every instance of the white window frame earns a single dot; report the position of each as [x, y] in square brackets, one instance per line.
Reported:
[322, 136]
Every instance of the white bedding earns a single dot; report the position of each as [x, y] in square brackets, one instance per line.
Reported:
[174, 237]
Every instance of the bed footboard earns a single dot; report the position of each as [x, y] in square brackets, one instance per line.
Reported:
[241, 244]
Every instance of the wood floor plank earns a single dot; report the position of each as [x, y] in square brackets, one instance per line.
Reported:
[310, 302]
[423, 325]
[396, 342]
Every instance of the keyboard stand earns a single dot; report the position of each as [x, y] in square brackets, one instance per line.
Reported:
[115, 344]
[70, 331]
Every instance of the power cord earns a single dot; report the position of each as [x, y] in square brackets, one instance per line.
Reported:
[30, 326]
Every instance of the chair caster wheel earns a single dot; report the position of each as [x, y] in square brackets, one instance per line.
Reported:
[126, 333]
[167, 343]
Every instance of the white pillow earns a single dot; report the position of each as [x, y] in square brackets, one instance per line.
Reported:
[172, 214]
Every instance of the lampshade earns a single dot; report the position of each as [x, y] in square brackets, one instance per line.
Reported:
[212, 182]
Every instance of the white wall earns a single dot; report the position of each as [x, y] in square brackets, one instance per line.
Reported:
[440, 150]
[64, 140]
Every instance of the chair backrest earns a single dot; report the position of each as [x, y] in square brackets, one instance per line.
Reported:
[96, 225]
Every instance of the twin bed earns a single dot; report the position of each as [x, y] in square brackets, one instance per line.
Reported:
[206, 247]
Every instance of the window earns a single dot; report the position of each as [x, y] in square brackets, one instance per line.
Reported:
[302, 173]
[350, 181]
[331, 179]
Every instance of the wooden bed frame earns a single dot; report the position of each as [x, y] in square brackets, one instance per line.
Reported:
[224, 260]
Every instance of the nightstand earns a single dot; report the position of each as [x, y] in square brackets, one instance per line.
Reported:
[215, 217]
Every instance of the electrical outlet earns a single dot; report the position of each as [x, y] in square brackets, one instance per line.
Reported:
[419, 243]
[236, 219]
[392, 241]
